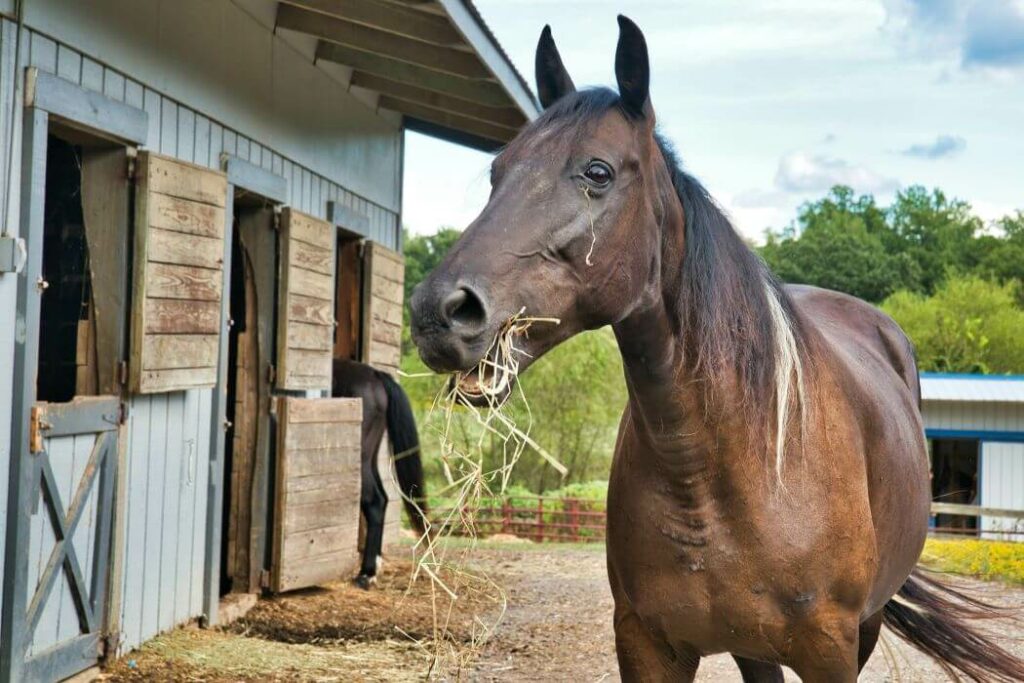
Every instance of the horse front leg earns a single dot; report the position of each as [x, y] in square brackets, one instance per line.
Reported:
[754, 671]
[642, 654]
[828, 653]
[645, 657]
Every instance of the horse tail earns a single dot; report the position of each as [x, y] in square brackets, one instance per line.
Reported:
[935, 618]
[405, 449]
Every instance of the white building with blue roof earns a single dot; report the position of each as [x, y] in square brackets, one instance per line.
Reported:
[975, 430]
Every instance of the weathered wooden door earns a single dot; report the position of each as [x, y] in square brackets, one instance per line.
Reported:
[316, 520]
[383, 294]
[74, 451]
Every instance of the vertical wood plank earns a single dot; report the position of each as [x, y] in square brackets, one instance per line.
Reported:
[154, 503]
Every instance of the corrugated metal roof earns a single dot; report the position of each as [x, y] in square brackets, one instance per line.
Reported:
[972, 388]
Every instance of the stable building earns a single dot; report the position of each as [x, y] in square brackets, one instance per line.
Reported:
[201, 210]
[975, 430]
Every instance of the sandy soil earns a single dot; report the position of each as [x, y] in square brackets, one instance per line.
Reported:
[557, 628]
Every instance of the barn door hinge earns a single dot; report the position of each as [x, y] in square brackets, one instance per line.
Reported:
[122, 372]
[37, 425]
[271, 373]
[264, 578]
[277, 220]
[122, 413]
[131, 167]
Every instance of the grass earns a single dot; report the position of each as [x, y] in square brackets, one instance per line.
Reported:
[988, 560]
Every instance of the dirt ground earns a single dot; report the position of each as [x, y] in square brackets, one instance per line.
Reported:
[557, 628]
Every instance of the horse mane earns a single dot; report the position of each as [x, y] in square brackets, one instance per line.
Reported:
[730, 308]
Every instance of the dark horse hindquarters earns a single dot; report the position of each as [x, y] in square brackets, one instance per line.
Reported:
[769, 491]
[386, 409]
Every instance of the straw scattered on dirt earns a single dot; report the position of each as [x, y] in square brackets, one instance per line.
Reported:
[558, 627]
[219, 657]
[393, 609]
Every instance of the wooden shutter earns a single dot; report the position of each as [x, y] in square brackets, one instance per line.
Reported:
[305, 330]
[178, 277]
[316, 521]
[383, 294]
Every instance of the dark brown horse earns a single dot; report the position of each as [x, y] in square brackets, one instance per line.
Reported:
[385, 408]
[769, 493]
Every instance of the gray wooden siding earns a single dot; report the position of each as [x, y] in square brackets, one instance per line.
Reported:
[180, 131]
[223, 59]
[1002, 486]
[168, 445]
[168, 473]
[975, 415]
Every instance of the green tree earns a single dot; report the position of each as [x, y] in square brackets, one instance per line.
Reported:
[840, 242]
[935, 233]
[1001, 256]
[968, 325]
[422, 254]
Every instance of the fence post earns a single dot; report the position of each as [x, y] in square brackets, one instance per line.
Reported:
[540, 520]
[506, 516]
[574, 519]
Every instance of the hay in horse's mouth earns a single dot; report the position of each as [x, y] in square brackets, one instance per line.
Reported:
[483, 392]
[492, 378]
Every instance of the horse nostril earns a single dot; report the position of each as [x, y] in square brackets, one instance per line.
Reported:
[463, 307]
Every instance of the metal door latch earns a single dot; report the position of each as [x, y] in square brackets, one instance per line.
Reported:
[12, 254]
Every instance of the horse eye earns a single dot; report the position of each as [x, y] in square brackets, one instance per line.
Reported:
[598, 173]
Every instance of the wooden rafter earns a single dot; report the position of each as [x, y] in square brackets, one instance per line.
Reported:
[447, 119]
[505, 116]
[483, 92]
[395, 19]
[360, 37]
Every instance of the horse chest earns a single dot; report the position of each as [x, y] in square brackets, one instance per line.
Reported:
[693, 577]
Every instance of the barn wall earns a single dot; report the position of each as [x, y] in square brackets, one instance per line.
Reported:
[8, 283]
[268, 90]
[975, 416]
[224, 60]
[1002, 484]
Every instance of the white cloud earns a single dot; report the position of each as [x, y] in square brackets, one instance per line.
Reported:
[802, 172]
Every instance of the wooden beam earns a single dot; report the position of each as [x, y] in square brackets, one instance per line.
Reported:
[975, 511]
[448, 120]
[445, 59]
[504, 116]
[391, 18]
[483, 92]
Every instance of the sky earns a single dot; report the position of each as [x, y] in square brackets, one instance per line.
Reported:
[771, 102]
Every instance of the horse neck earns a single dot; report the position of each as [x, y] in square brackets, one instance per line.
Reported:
[668, 408]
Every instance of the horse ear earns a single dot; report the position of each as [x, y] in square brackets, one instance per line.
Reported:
[632, 68]
[553, 80]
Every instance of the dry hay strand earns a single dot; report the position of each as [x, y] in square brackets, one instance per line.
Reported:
[454, 583]
[216, 656]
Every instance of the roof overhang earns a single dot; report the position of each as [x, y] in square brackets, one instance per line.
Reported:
[966, 388]
[435, 62]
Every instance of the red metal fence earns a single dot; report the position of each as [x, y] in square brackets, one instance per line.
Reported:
[538, 518]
